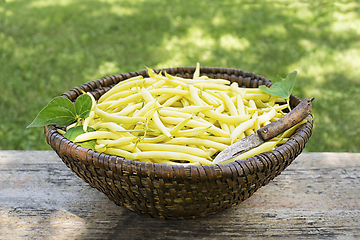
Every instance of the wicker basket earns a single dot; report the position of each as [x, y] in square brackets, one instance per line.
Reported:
[170, 191]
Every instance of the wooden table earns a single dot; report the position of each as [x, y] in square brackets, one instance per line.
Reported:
[317, 197]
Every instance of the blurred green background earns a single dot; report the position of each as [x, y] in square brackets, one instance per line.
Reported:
[50, 46]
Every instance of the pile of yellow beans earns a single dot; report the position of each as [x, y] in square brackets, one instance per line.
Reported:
[172, 120]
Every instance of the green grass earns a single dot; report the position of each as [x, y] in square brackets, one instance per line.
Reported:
[49, 47]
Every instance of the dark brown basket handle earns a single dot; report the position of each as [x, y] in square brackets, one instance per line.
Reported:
[300, 112]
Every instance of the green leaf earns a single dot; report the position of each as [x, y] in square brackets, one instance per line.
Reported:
[83, 106]
[73, 132]
[60, 111]
[282, 87]
[88, 144]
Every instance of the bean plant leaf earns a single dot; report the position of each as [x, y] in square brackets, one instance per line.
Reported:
[60, 111]
[83, 106]
[282, 87]
[73, 132]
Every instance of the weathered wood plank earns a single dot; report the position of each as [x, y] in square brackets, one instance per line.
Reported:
[317, 197]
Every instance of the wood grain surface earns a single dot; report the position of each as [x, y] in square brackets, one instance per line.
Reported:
[316, 197]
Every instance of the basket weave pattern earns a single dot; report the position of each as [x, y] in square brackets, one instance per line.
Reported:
[172, 191]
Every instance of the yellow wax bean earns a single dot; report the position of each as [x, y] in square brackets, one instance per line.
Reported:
[197, 141]
[203, 148]
[160, 125]
[176, 81]
[131, 147]
[291, 130]
[179, 126]
[93, 101]
[255, 115]
[280, 141]
[123, 101]
[233, 99]
[161, 99]
[249, 132]
[197, 71]
[169, 113]
[194, 132]
[177, 104]
[156, 85]
[189, 109]
[150, 113]
[263, 97]
[146, 95]
[115, 110]
[240, 105]
[265, 147]
[171, 147]
[194, 123]
[120, 153]
[130, 108]
[267, 116]
[261, 104]
[174, 91]
[266, 123]
[224, 140]
[240, 129]
[280, 100]
[214, 96]
[88, 120]
[201, 119]
[184, 102]
[195, 96]
[151, 72]
[231, 127]
[100, 148]
[209, 99]
[118, 119]
[135, 89]
[225, 118]
[146, 108]
[120, 141]
[106, 104]
[224, 127]
[256, 124]
[204, 77]
[171, 101]
[212, 151]
[160, 77]
[276, 107]
[171, 155]
[62, 132]
[158, 139]
[117, 96]
[207, 80]
[213, 86]
[229, 104]
[95, 135]
[239, 91]
[253, 90]
[200, 80]
[220, 109]
[123, 85]
[252, 104]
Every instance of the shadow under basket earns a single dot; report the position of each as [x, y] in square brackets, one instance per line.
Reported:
[172, 191]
